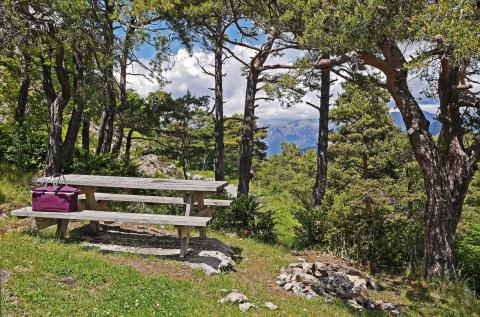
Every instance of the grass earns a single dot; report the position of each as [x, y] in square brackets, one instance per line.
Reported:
[54, 278]
[115, 284]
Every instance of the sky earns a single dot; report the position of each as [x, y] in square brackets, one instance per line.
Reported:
[187, 75]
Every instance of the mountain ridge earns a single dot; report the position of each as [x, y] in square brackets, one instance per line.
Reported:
[304, 132]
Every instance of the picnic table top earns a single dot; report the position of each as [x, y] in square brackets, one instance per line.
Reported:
[139, 183]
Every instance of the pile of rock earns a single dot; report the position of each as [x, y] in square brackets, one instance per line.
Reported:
[332, 281]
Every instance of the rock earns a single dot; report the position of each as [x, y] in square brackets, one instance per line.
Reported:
[301, 259]
[372, 284]
[307, 279]
[294, 265]
[270, 305]
[359, 286]
[297, 287]
[288, 286]
[280, 282]
[387, 306]
[306, 267]
[244, 307]
[354, 304]
[234, 297]
[283, 277]
[395, 312]
[310, 294]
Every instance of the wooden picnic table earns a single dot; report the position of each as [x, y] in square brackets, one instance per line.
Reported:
[197, 209]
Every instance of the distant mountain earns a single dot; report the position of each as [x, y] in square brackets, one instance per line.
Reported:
[435, 125]
[304, 132]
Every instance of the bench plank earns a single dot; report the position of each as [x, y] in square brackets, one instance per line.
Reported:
[154, 199]
[139, 182]
[116, 217]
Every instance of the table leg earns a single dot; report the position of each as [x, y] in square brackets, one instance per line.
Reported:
[188, 200]
[91, 204]
[200, 200]
[185, 240]
[62, 227]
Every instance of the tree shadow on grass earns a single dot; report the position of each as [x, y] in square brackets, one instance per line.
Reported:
[210, 255]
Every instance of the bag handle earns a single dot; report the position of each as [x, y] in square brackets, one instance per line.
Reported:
[58, 176]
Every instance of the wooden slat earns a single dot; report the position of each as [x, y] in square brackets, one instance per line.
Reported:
[154, 199]
[115, 217]
[140, 183]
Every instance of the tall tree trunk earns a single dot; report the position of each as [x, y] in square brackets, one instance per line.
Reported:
[447, 167]
[248, 137]
[78, 105]
[23, 92]
[246, 147]
[219, 125]
[85, 133]
[322, 144]
[57, 103]
[122, 84]
[117, 144]
[128, 145]
[438, 248]
[105, 135]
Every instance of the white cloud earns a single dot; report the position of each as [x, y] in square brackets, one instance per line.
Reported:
[187, 75]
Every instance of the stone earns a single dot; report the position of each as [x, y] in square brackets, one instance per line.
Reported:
[244, 307]
[234, 297]
[354, 304]
[288, 286]
[387, 306]
[270, 305]
[306, 267]
[395, 312]
[297, 287]
[307, 279]
[280, 282]
[283, 277]
[294, 265]
[301, 259]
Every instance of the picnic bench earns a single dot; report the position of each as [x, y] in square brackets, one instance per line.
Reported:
[92, 206]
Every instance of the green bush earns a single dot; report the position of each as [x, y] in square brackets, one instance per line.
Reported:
[103, 164]
[467, 254]
[245, 218]
[311, 227]
[23, 148]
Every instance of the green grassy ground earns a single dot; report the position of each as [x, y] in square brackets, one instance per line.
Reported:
[53, 278]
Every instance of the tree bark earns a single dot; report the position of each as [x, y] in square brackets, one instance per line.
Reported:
[85, 133]
[219, 125]
[246, 147]
[322, 144]
[447, 168]
[23, 92]
[105, 135]
[128, 145]
[78, 106]
[57, 103]
[122, 84]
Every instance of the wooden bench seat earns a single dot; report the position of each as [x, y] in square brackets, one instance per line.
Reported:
[154, 199]
[184, 224]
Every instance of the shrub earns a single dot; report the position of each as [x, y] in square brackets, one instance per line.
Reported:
[103, 164]
[467, 254]
[25, 149]
[311, 227]
[245, 218]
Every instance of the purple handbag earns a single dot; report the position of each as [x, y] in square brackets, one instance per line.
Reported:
[60, 198]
